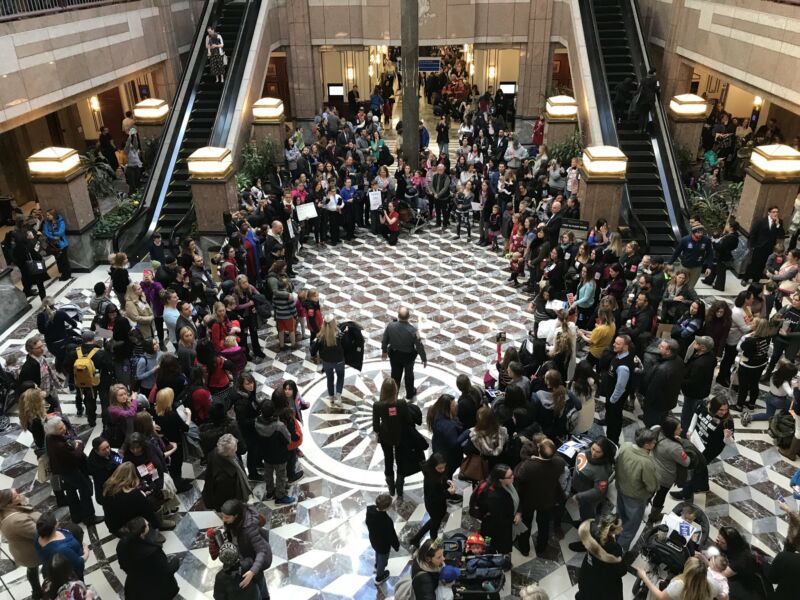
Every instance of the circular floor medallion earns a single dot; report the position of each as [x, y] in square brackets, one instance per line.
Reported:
[336, 440]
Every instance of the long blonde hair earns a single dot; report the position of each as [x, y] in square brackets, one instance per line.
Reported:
[114, 390]
[761, 328]
[164, 399]
[329, 331]
[31, 406]
[131, 295]
[123, 478]
[563, 341]
[695, 582]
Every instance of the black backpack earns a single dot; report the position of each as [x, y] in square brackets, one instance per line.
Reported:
[476, 508]
[781, 427]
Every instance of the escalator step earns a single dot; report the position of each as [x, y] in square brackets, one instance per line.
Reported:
[644, 189]
[641, 167]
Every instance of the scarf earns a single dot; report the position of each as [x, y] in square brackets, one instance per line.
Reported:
[512, 491]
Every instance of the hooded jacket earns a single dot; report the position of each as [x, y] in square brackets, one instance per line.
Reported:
[699, 374]
[662, 384]
[489, 445]
[600, 577]
[554, 426]
[275, 438]
[252, 540]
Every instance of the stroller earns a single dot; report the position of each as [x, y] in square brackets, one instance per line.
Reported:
[482, 576]
[667, 550]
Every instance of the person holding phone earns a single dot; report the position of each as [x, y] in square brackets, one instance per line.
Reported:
[390, 224]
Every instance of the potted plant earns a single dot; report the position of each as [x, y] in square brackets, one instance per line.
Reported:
[100, 177]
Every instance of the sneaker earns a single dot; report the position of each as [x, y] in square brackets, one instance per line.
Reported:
[285, 500]
[747, 417]
[297, 476]
[379, 579]
[679, 496]
[269, 495]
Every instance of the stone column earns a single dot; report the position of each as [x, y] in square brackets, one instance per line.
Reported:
[686, 133]
[535, 65]
[149, 129]
[212, 197]
[675, 75]
[168, 75]
[409, 26]
[760, 192]
[274, 130]
[600, 198]
[303, 75]
[558, 130]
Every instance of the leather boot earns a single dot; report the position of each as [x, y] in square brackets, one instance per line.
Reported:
[792, 451]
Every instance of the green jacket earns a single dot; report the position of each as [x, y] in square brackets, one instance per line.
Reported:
[636, 472]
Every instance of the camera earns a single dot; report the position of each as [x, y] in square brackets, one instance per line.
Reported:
[501, 337]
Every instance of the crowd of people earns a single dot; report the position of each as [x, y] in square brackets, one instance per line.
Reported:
[164, 366]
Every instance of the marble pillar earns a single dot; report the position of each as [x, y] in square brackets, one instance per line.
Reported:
[275, 130]
[212, 197]
[69, 197]
[558, 130]
[305, 73]
[686, 132]
[535, 66]
[600, 198]
[759, 193]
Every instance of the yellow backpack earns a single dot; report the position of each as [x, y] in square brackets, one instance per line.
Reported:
[86, 375]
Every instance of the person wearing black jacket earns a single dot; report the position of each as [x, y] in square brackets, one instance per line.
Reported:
[763, 235]
[390, 420]
[103, 364]
[436, 487]
[697, 378]
[150, 572]
[101, 463]
[26, 249]
[723, 254]
[382, 535]
[639, 323]
[247, 408]
[662, 384]
[469, 401]
[425, 567]
[499, 502]
[600, 576]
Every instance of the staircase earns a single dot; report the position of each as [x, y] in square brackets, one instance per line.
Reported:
[644, 185]
[178, 198]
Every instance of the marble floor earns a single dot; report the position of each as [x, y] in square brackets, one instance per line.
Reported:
[460, 300]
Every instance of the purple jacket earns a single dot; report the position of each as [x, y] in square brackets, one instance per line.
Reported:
[151, 292]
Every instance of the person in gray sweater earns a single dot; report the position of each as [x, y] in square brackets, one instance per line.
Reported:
[668, 455]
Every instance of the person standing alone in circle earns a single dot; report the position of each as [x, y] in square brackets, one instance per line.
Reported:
[401, 344]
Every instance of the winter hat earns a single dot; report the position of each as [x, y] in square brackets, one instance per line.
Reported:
[228, 554]
[449, 574]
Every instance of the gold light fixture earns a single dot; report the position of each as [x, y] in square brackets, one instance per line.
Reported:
[268, 110]
[687, 106]
[350, 73]
[151, 110]
[607, 162]
[370, 71]
[758, 101]
[563, 108]
[210, 163]
[54, 162]
[492, 72]
[776, 161]
[472, 69]
[94, 103]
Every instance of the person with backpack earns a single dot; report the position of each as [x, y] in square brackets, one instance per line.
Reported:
[92, 372]
[792, 451]
[496, 503]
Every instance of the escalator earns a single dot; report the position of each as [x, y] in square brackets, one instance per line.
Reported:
[201, 115]
[654, 202]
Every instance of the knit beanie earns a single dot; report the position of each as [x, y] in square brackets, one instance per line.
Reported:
[228, 554]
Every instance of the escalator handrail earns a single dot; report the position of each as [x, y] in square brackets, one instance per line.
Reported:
[173, 132]
[677, 205]
[230, 93]
[602, 94]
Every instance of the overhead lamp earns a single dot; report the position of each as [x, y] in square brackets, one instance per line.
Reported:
[151, 110]
[54, 162]
[776, 161]
[563, 108]
[687, 106]
[210, 162]
[268, 109]
[350, 73]
[94, 103]
[608, 162]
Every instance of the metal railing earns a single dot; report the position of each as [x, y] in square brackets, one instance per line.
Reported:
[23, 9]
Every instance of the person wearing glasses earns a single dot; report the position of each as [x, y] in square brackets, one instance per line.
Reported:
[499, 501]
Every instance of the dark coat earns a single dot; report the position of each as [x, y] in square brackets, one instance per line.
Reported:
[761, 236]
[662, 384]
[600, 577]
[124, 506]
[390, 421]
[221, 482]
[447, 440]
[149, 574]
[101, 469]
[434, 487]
[226, 586]
[411, 451]
[252, 540]
[537, 481]
[425, 585]
[498, 520]
[698, 376]
[211, 432]
[353, 344]
[382, 535]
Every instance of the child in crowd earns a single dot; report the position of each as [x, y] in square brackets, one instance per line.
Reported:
[99, 302]
[233, 352]
[299, 306]
[382, 535]
[515, 241]
[776, 259]
[313, 318]
[495, 224]
[447, 577]
[296, 402]
[716, 574]
[274, 439]
[119, 275]
[517, 268]
[229, 578]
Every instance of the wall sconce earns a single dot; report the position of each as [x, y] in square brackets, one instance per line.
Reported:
[466, 48]
[606, 162]
[54, 162]
[758, 101]
[151, 110]
[776, 162]
[562, 108]
[492, 72]
[370, 71]
[350, 73]
[94, 103]
[687, 107]
[210, 163]
[268, 110]
[472, 69]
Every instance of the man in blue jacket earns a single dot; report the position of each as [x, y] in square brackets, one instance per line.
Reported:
[696, 253]
[55, 230]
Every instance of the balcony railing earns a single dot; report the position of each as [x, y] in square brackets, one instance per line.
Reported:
[22, 9]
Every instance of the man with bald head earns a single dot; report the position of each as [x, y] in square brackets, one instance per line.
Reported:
[401, 344]
[554, 224]
[273, 245]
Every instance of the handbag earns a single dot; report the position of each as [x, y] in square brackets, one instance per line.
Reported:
[473, 468]
[34, 268]
[225, 59]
